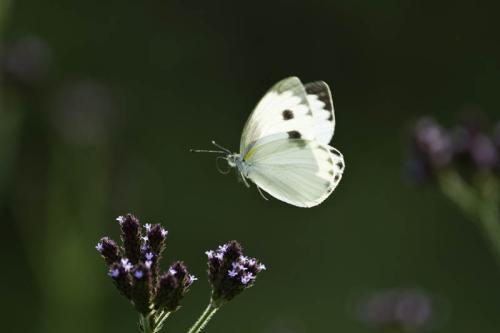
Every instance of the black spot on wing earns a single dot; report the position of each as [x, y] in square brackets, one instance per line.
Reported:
[340, 165]
[320, 89]
[330, 118]
[335, 152]
[337, 177]
[294, 135]
[287, 115]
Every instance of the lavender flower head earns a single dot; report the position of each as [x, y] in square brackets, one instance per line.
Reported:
[230, 272]
[134, 267]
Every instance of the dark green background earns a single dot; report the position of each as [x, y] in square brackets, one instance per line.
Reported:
[181, 73]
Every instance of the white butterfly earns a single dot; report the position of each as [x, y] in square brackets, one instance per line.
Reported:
[285, 147]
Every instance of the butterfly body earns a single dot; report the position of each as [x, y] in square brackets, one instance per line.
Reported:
[284, 147]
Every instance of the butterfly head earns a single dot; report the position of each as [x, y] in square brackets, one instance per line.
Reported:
[234, 160]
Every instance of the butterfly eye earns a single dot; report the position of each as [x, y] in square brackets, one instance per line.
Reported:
[223, 170]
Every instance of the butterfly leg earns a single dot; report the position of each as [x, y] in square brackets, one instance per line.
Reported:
[244, 180]
[262, 194]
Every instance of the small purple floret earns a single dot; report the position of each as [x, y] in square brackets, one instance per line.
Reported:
[138, 274]
[127, 266]
[114, 273]
[223, 248]
[99, 247]
[245, 279]
[192, 278]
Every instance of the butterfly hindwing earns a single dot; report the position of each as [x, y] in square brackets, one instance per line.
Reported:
[300, 172]
[321, 104]
[285, 110]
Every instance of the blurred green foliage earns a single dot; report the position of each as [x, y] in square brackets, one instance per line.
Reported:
[133, 85]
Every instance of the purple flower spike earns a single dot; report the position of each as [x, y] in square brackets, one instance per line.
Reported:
[173, 287]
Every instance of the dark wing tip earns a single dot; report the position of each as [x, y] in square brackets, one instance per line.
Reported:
[320, 89]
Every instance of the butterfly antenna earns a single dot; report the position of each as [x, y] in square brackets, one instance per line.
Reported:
[220, 147]
[262, 194]
[207, 151]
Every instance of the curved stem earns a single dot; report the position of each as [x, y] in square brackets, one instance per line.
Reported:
[145, 324]
[480, 203]
[204, 319]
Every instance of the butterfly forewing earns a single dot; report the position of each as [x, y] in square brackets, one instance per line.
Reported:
[285, 110]
[300, 172]
[321, 104]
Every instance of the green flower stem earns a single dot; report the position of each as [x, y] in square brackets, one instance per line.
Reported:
[479, 202]
[153, 323]
[145, 324]
[204, 319]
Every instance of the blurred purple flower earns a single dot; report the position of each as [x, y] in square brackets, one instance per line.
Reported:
[26, 60]
[404, 309]
[433, 142]
[473, 146]
[431, 149]
[83, 112]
